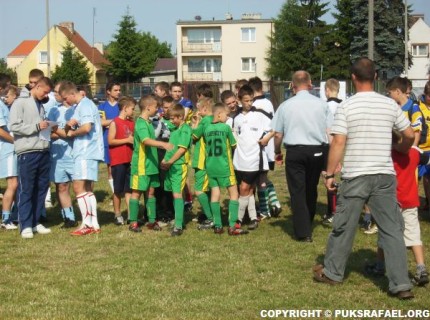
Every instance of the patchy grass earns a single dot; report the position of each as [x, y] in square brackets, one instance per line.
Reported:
[121, 275]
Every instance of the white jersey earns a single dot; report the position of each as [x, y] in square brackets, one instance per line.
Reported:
[265, 104]
[89, 146]
[249, 128]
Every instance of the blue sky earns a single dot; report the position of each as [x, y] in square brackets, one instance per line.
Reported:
[158, 17]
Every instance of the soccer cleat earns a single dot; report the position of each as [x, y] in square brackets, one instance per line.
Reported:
[85, 230]
[134, 227]
[41, 229]
[218, 230]
[119, 220]
[8, 225]
[327, 220]
[176, 232]
[69, 224]
[207, 224]
[421, 279]
[162, 224]
[233, 231]
[253, 225]
[275, 211]
[153, 226]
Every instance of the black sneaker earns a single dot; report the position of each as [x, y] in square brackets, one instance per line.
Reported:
[275, 211]
[134, 227]
[176, 232]
[327, 220]
[421, 279]
[205, 225]
[253, 225]
[69, 224]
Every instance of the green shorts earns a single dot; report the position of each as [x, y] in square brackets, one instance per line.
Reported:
[176, 178]
[143, 183]
[222, 182]
[201, 180]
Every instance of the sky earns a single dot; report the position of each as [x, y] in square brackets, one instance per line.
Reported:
[158, 17]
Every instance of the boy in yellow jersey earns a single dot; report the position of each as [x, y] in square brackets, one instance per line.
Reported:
[198, 123]
[219, 141]
[144, 163]
[176, 161]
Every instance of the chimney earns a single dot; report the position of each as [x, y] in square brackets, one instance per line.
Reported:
[69, 25]
[99, 47]
[251, 16]
[228, 16]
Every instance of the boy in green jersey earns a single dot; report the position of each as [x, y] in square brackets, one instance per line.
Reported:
[144, 163]
[219, 141]
[199, 122]
[176, 162]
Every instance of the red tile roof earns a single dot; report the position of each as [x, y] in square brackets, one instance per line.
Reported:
[24, 48]
[84, 47]
[165, 64]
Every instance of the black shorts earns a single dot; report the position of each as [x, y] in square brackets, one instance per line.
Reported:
[249, 177]
[121, 178]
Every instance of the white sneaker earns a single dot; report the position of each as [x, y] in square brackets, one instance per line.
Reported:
[48, 204]
[41, 229]
[8, 226]
[27, 233]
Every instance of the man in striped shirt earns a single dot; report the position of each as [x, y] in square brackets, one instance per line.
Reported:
[362, 135]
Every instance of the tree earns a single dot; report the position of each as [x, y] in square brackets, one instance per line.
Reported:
[297, 38]
[153, 50]
[73, 68]
[8, 71]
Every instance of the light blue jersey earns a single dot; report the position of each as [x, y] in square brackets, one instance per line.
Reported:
[61, 149]
[6, 148]
[89, 146]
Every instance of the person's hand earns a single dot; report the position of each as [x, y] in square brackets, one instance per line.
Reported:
[165, 165]
[331, 184]
[71, 133]
[130, 139]
[279, 159]
[54, 128]
[43, 124]
[72, 122]
[168, 146]
[263, 141]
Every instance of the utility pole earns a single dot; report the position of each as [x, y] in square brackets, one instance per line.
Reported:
[406, 39]
[370, 34]
[92, 51]
[48, 51]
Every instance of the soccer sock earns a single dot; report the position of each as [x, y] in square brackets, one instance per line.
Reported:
[251, 208]
[134, 209]
[178, 204]
[216, 213]
[204, 202]
[63, 214]
[243, 204]
[111, 184]
[94, 220]
[68, 213]
[151, 209]
[263, 201]
[5, 216]
[273, 198]
[233, 210]
[85, 208]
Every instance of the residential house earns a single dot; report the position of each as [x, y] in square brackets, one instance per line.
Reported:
[33, 54]
[165, 69]
[223, 50]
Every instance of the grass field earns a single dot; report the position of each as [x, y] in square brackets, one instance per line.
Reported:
[121, 275]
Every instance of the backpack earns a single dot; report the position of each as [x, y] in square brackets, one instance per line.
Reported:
[424, 125]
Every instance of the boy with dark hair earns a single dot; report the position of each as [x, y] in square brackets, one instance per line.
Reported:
[176, 162]
[144, 164]
[120, 139]
[229, 99]
[176, 91]
[219, 141]
[162, 89]
[204, 90]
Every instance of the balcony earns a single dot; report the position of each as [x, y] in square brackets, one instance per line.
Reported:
[193, 47]
[201, 76]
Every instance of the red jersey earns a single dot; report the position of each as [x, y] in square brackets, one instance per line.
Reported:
[123, 153]
[405, 166]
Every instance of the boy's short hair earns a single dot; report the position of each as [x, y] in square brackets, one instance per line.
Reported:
[175, 84]
[67, 87]
[245, 91]
[46, 81]
[111, 84]
[227, 94]
[332, 85]
[363, 69]
[13, 89]
[5, 79]
[205, 90]
[177, 111]
[218, 107]
[36, 73]
[397, 83]
[167, 99]
[240, 83]
[256, 84]
[427, 88]
[126, 101]
[164, 86]
[207, 102]
[146, 100]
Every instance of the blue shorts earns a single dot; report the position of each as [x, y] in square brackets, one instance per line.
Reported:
[85, 169]
[424, 170]
[107, 156]
[9, 166]
[61, 171]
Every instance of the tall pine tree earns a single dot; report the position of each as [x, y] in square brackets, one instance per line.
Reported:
[73, 68]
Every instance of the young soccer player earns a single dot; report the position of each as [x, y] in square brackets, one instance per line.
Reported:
[230, 100]
[88, 149]
[162, 89]
[219, 141]
[120, 139]
[144, 164]
[176, 161]
[201, 186]
[252, 129]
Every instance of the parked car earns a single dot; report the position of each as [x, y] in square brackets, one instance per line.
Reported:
[138, 92]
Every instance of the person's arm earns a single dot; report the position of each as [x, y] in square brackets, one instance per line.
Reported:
[158, 144]
[112, 141]
[407, 140]
[335, 155]
[6, 135]
[265, 140]
[178, 154]
[81, 131]
[17, 125]
[278, 153]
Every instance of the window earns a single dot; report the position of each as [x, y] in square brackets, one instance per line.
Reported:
[43, 57]
[204, 65]
[248, 35]
[420, 50]
[204, 35]
[248, 64]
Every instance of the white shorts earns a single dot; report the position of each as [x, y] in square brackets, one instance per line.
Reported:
[85, 169]
[61, 171]
[412, 233]
[9, 166]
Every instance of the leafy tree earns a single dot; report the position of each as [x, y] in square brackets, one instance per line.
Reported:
[73, 68]
[296, 41]
[9, 71]
[153, 50]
